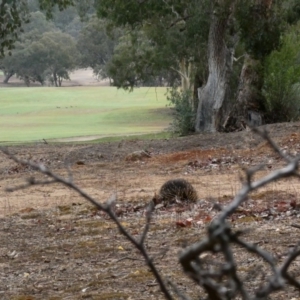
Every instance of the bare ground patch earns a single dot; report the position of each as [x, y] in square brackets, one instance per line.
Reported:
[55, 246]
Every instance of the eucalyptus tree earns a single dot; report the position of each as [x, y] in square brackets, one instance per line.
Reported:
[60, 55]
[197, 39]
[222, 25]
[163, 39]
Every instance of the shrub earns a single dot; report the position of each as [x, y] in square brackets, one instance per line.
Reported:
[184, 116]
[281, 80]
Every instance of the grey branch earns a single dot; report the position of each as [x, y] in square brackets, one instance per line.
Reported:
[220, 239]
[107, 208]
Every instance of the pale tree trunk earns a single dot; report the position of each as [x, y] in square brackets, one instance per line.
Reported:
[185, 74]
[210, 112]
[184, 70]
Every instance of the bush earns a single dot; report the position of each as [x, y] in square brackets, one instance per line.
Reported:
[184, 115]
[281, 80]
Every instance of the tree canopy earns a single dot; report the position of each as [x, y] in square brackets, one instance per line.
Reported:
[15, 13]
[215, 50]
[41, 52]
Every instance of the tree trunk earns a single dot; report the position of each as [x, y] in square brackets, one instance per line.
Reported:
[198, 83]
[185, 69]
[210, 112]
[55, 79]
[8, 75]
[248, 108]
[60, 79]
[27, 81]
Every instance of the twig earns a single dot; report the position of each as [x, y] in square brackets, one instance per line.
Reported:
[107, 208]
[31, 181]
[295, 225]
[128, 257]
[149, 212]
[220, 237]
[176, 290]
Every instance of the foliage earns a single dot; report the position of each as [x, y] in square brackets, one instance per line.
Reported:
[161, 35]
[41, 52]
[96, 46]
[48, 5]
[184, 116]
[61, 55]
[163, 42]
[260, 27]
[20, 61]
[38, 23]
[292, 11]
[282, 75]
[132, 63]
[14, 14]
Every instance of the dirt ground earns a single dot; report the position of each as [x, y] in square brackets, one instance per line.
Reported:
[56, 246]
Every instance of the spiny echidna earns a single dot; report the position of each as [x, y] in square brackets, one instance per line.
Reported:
[176, 189]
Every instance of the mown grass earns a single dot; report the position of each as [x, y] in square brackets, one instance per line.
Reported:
[29, 114]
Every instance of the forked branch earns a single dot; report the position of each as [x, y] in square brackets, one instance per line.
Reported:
[107, 208]
[221, 239]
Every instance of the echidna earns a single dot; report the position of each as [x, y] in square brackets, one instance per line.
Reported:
[176, 189]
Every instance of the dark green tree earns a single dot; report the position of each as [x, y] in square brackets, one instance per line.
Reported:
[175, 34]
[61, 55]
[15, 13]
[9, 64]
[38, 57]
[256, 24]
[96, 46]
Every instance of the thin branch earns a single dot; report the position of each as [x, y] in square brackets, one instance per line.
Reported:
[286, 171]
[260, 252]
[176, 290]
[149, 212]
[295, 225]
[107, 208]
[220, 237]
[264, 134]
[31, 181]
[291, 257]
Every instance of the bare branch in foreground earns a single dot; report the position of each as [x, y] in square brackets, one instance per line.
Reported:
[30, 181]
[107, 208]
[221, 239]
[176, 290]
[220, 278]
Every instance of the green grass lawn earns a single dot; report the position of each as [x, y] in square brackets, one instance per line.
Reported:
[29, 114]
